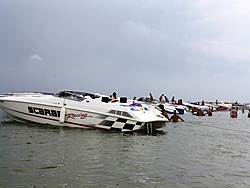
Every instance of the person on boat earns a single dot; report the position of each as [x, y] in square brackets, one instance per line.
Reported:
[114, 97]
[166, 99]
[161, 98]
[202, 103]
[151, 97]
[175, 117]
[210, 112]
[216, 102]
[173, 100]
[179, 102]
[248, 115]
[233, 113]
[236, 102]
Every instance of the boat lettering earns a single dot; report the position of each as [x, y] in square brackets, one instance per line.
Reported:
[41, 111]
[80, 115]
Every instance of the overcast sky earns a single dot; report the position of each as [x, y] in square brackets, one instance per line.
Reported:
[195, 50]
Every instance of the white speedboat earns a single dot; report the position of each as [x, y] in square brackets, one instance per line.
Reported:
[218, 106]
[156, 103]
[194, 105]
[81, 110]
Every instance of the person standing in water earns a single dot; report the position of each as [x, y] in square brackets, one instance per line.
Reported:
[175, 117]
[164, 112]
[233, 113]
[210, 112]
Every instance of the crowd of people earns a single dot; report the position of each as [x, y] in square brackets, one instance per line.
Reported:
[195, 111]
[234, 112]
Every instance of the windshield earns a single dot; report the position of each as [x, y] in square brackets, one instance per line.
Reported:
[146, 99]
[76, 95]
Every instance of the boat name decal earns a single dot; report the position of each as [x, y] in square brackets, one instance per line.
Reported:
[80, 115]
[45, 112]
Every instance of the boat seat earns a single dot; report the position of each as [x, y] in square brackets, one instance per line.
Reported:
[123, 99]
[105, 99]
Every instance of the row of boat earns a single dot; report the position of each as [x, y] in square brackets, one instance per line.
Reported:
[91, 110]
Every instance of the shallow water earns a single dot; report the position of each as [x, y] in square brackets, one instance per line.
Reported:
[200, 152]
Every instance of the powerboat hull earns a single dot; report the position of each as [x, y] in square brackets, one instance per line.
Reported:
[88, 113]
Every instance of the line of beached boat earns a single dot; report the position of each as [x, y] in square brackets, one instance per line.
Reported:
[93, 110]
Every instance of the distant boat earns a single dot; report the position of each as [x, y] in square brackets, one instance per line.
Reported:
[240, 106]
[219, 106]
[247, 106]
[196, 105]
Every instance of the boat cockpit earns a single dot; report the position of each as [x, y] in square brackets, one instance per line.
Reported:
[148, 100]
[76, 95]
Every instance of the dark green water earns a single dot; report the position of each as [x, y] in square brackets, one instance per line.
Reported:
[200, 152]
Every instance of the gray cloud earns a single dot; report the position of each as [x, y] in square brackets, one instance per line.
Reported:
[36, 57]
[195, 50]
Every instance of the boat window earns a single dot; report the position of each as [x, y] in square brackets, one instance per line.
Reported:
[126, 114]
[112, 112]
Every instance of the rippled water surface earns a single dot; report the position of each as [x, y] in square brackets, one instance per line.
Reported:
[200, 152]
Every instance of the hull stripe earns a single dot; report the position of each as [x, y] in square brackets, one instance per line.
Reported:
[55, 120]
